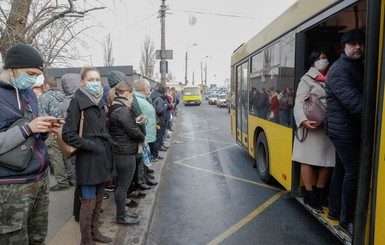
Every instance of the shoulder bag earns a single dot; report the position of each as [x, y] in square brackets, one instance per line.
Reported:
[66, 149]
[18, 157]
[315, 110]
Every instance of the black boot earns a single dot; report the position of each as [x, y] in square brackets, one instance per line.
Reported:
[321, 193]
[310, 198]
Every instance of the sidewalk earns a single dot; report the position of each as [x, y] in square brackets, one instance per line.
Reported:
[69, 233]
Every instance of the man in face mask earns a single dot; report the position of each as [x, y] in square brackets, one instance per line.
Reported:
[24, 193]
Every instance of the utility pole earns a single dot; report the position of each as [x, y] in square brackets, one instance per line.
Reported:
[201, 74]
[206, 74]
[162, 12]
[185, 72]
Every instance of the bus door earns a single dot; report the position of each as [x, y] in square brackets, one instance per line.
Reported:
[242, 103]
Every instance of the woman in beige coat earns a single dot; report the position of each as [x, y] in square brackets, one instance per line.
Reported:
[316, 151]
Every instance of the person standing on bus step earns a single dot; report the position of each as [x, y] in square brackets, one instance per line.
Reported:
[344, 89]
[316, 151]
[24, 195]
[94, 160]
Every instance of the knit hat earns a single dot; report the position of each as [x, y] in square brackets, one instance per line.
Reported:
[353, 36]
[115, 77]
[23, 56]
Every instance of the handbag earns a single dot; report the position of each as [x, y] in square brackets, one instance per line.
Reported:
[315, 110]
[18, 157]
[66, 149]
[146, 155]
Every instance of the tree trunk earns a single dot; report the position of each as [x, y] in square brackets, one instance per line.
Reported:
[16, 23]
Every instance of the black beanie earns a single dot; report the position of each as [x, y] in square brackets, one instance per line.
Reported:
[23, 56]
[353, 36]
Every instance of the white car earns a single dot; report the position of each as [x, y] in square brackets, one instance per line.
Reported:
[213, 99]
[221, 101]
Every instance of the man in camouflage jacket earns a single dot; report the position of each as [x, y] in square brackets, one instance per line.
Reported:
[50, 105]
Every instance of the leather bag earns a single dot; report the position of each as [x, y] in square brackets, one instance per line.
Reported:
[66, 149]
[18, 157]
[315, 110]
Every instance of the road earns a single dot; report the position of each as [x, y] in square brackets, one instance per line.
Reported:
[210, 194]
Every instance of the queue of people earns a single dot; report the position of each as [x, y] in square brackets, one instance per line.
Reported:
[109, 141]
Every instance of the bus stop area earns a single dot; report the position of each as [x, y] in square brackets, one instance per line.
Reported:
[64, 230]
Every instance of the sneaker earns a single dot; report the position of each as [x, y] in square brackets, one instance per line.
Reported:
[127, 221]
[150, 171]
[153, 159]
[106, 196]
[59, 188]
[109, 188]
[159, 157]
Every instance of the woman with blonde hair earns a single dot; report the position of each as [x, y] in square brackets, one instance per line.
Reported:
[127, 136]
[94, 162]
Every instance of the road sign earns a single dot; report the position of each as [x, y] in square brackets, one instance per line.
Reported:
[169, 54]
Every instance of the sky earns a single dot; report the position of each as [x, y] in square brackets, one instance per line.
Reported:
[221, 26]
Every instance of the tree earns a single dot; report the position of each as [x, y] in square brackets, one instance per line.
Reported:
[37, 22]
[147, 60]
[108, 56]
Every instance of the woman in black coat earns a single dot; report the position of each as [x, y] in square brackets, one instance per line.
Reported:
[127, 135]
[94, 161]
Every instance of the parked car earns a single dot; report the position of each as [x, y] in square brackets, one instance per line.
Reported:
[213, 99]
[221, 101]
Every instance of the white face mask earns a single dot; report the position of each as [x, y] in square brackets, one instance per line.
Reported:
[321, 64]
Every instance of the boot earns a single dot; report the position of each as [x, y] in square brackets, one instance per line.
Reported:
[85, 218]
[321, 193]
[77, 203]
[96, 235]
[310, 198]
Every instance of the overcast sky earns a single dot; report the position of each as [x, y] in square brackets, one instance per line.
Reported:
[221, 26]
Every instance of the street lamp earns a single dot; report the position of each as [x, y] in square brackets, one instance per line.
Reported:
[185, 72]
[204, 58]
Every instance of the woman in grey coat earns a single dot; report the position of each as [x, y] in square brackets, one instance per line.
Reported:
[316, 151]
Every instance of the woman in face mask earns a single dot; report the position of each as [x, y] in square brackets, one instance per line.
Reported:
[127, 136]
[316, 151]
[94, 160]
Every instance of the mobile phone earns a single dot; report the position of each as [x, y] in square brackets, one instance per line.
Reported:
[56, 120]
[139, 118]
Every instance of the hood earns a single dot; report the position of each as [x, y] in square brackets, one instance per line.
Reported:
[56, 93]
[70, 83]
[155, 95]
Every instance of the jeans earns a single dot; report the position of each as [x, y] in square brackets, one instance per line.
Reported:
[159, 139]
[344, 182]
[89, 191]
[125, 168]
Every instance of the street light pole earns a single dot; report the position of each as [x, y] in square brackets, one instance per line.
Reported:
[186, 61]
[163, 43]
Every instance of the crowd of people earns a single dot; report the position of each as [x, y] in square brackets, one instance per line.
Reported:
[118, 131]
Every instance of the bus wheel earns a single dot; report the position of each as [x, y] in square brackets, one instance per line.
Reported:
[262, 158]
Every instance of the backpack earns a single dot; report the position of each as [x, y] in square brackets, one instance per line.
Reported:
[284, 102]
[290, 100]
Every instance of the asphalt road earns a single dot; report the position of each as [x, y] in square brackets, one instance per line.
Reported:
[210, 194]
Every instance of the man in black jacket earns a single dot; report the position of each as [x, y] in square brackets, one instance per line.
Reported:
[344, 88]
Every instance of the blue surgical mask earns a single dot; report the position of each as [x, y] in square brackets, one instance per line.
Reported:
[93, 87]
[24, 81]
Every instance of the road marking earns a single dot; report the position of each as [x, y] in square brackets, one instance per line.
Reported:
[206, 153]
[228, 176]
[245, 220]
[194, 138]
[197, 132]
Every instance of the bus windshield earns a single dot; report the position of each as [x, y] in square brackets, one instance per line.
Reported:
[191, 91]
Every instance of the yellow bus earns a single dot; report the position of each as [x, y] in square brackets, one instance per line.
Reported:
[276, 57]
[192, 95]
